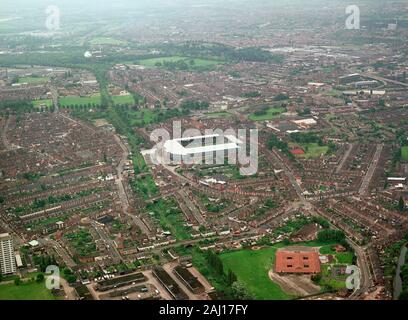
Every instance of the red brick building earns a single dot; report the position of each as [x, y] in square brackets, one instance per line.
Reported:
[297, 260]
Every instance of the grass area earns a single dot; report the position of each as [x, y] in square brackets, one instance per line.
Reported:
[180, 62]
[170, 217]
[227, 170]
[313, 150]
[142, 117]
[46, 102]
[404, 153]
[268, 114]
[33, 80]
[344, 257]
[328, 249]
[128, 99]
[212, 115]
[82, 242]
[75, 100]
[251, 268]
[145, 186]
[212, 206]
[28, 290]
[107, 41]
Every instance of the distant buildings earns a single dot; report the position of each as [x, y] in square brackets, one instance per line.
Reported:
[7, 260]
[297, 260]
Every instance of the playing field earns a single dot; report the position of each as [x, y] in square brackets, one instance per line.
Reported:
[404, 153]
[196, 62]
[38, 103]
[313, 150]
[33, 80]
[251, 268]
[74, 100]
[129, 100]
[26, 291]
[271, 113]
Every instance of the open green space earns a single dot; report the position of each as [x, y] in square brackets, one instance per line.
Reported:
[39, 103]
[170, 217]
[144, 186]
[251, 268]
[313, 150]
[75, 100]
[267, 114]
[107, 41]
[33, 80]
[229, 171]
[180, 62]
[27, 290]
[143, 117]
[128, 99]
[404, 153]
[82, 242]
[221, 114]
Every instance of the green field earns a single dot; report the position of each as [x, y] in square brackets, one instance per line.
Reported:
[404, 153]
[29, 290]
[271, 113]
[38, 103]
[193, 63]
[74, 100]
[221, 114]
[251, 268]
[170, 217]
[344, 257]
[107, 41]
[123, 100]
[313, 150]
[33, 80]
[142, 117]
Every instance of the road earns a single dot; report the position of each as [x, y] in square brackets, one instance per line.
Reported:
[54, 94]
[291, 178]
[370, 172]
[362, 263]
[70, 293]
[121, 188]
[3, 132]
[345, 157]
[105, 237]
[61, 252]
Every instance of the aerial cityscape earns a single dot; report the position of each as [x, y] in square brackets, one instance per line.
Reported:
[204, 150]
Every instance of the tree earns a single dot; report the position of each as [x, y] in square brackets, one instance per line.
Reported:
[403, 295]
[17, 281]
[240, 292]
[40, 277]
[70, 278]
[316, 278]
[328, 235]
[1, 276]
[231, 277]
[401, 204]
